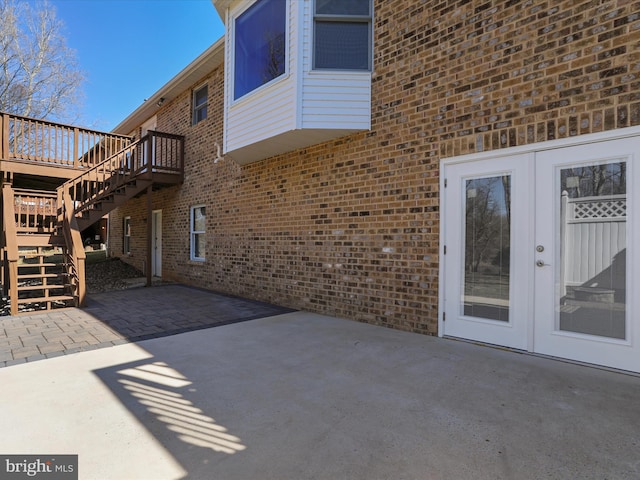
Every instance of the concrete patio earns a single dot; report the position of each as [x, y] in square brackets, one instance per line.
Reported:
[304, 396]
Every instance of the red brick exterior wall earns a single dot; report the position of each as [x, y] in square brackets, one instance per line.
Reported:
[351, 227]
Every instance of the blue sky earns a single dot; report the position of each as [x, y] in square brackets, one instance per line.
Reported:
[128, 49]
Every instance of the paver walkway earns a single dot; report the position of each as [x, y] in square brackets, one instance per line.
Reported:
[123, 316]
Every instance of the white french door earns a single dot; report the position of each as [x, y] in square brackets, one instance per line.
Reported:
[540, 252]
[487, 215]
[587, 231]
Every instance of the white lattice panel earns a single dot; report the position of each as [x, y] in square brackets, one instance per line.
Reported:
[601, 209]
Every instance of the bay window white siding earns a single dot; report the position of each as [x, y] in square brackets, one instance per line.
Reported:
[298, 109]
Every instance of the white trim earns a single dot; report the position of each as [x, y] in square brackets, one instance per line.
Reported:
[126, 221]
[301, 32]
[195, 91]
[231, 64]
[192, 257]
[343, 18]
[531, 149]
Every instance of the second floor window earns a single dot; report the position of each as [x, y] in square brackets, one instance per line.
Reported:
[260, 42]
[200, 104]
[342, 34]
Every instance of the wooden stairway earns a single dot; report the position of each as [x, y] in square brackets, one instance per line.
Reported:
[95, 210]
[38, 267]
[154, 159]
[38, 224]
[44, 285]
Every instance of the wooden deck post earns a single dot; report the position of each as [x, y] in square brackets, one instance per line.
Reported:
[149, 233]
[4, 136]
[76, 149]
[11, 245]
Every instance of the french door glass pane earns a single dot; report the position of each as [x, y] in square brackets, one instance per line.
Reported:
[592, 270]
[487, 248]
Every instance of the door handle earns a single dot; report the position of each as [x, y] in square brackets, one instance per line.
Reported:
[540, 263]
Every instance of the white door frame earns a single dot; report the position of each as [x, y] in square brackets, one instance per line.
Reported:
[156, 240]
[633, 189]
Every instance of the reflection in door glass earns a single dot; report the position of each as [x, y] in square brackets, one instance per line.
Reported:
[486, 250]
[593, 231]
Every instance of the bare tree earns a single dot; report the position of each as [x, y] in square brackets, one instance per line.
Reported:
[39, 74]
[275, 57]
[595, 180]
[487, 221]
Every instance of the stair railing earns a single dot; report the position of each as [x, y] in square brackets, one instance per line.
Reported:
[76, 255]
[154, 153]
[11, 255]
[36, 211]
[106, 176]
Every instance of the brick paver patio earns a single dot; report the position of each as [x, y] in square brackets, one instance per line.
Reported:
[123, 316]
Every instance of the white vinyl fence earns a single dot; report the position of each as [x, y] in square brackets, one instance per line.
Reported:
[594, 232]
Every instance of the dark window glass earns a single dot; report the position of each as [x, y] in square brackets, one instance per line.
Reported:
[342, 45]
[200, 104]
[259, 45]
[342, 35]
[342, 7]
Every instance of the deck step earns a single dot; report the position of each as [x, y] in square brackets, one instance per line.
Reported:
[26, 288]
[56, 298]
[40, 240]
[28, 276]
[34, 265]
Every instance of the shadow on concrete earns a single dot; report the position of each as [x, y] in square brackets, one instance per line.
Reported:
[306, 396]
[165, 402]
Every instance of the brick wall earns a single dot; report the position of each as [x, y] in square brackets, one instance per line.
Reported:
[351, 227]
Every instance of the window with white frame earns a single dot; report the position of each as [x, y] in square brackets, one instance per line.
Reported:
[197, 232]
[342, 34]
[259, 45]
[200, 103]
[126, 235]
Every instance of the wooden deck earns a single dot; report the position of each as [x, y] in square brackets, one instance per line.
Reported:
[37, 147]
[85, 175]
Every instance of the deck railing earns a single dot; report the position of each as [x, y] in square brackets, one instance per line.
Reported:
[31, 140]
[35, 211]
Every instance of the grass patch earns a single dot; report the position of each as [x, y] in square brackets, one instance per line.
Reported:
[93, 256]
[96, 256]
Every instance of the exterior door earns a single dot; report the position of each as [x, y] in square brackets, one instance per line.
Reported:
[540, 252]
[586, 240]
[487, 223]
[149, 150]
[156, 253]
